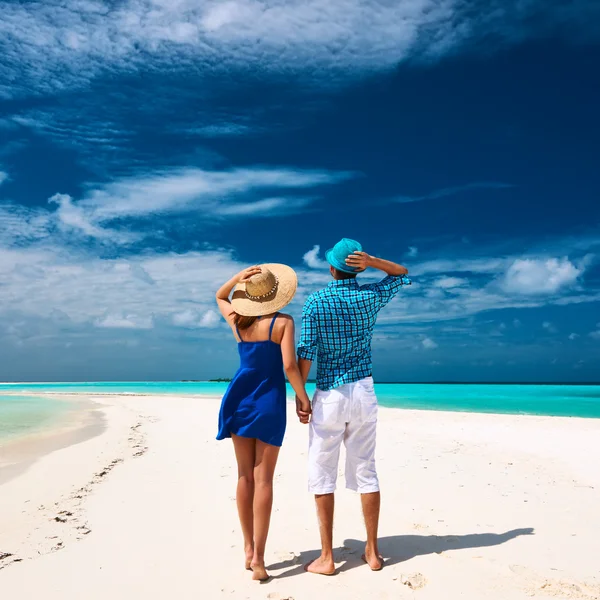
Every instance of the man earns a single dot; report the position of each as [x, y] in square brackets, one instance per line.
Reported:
[337, 327]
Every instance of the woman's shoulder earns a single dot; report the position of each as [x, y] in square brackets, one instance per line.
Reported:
[285, 318]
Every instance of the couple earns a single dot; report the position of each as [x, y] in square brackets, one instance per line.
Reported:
[337, 327]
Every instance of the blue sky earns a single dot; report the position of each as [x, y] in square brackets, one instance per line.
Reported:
[151, 148]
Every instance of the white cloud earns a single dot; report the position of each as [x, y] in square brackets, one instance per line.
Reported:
[448, 283]
[191, 319]
[228, 192]
[111, 292]
[312, 259]
[210, 319]
[516, 323]
[169, 289]
[428, 343]
[573, 336]
[549, 327]
[413, 251]
[3, 177]
[487, 265]
[119, 321]
[545, 276]
[74, 217]
[187, 318]
[596, 334]
[234, 193]
[52, 45]
[137, 271]
[267, 207]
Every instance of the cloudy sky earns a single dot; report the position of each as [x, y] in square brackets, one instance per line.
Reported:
[151, 148]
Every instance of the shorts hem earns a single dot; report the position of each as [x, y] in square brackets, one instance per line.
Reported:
[321, 492]
[367, 489]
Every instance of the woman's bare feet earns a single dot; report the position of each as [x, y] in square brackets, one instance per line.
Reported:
[259, 573]
[249, 556]
[321, 566]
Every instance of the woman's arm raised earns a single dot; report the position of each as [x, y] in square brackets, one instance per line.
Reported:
[225, 290]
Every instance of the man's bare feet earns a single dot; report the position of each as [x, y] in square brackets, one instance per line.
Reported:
[259, 573]
[321, 566]
[373, 559]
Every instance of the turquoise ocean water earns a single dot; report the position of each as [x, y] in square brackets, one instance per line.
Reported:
[21, 415]
[21, 412]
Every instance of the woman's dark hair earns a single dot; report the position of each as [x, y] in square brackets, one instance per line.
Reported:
[242, 322]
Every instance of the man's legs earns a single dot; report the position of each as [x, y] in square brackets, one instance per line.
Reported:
[370, 504]
[324, 565]
[327, 427]
[361, 473]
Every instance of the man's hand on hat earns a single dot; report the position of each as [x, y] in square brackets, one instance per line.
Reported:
[359, 261]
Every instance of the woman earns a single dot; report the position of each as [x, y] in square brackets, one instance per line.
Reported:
[253, 410]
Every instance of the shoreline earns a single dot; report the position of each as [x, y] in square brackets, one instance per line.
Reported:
[46, 484]
[19, 452]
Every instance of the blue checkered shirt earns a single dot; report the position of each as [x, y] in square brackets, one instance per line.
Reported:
[337, 328]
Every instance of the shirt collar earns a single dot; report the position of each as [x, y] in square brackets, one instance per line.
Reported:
[338, 283]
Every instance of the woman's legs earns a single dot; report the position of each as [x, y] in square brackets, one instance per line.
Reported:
[245, 454]
[264, 469]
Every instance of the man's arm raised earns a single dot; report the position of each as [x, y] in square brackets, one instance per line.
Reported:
[362, 261]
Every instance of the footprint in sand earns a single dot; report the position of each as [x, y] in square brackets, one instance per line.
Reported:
[415, 581]
[288, 557]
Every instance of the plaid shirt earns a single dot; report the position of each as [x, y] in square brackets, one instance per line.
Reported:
[337, 327]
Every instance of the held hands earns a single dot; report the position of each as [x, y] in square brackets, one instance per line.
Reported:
[246, 274]
[303, 410]
[359, 261]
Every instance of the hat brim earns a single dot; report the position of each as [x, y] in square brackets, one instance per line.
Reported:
[283, 295]
[336, 264]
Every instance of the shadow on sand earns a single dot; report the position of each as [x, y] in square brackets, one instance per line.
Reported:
[399, 548]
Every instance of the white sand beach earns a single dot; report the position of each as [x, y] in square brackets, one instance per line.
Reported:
[474, 506]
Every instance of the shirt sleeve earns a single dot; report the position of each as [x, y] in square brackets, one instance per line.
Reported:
[387, 288]
[307, 346]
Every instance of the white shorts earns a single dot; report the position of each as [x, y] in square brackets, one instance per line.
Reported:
[349, 414]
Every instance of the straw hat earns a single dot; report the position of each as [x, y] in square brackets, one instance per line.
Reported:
[266, 292]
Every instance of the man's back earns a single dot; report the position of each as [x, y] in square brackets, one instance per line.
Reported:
[337, 328]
